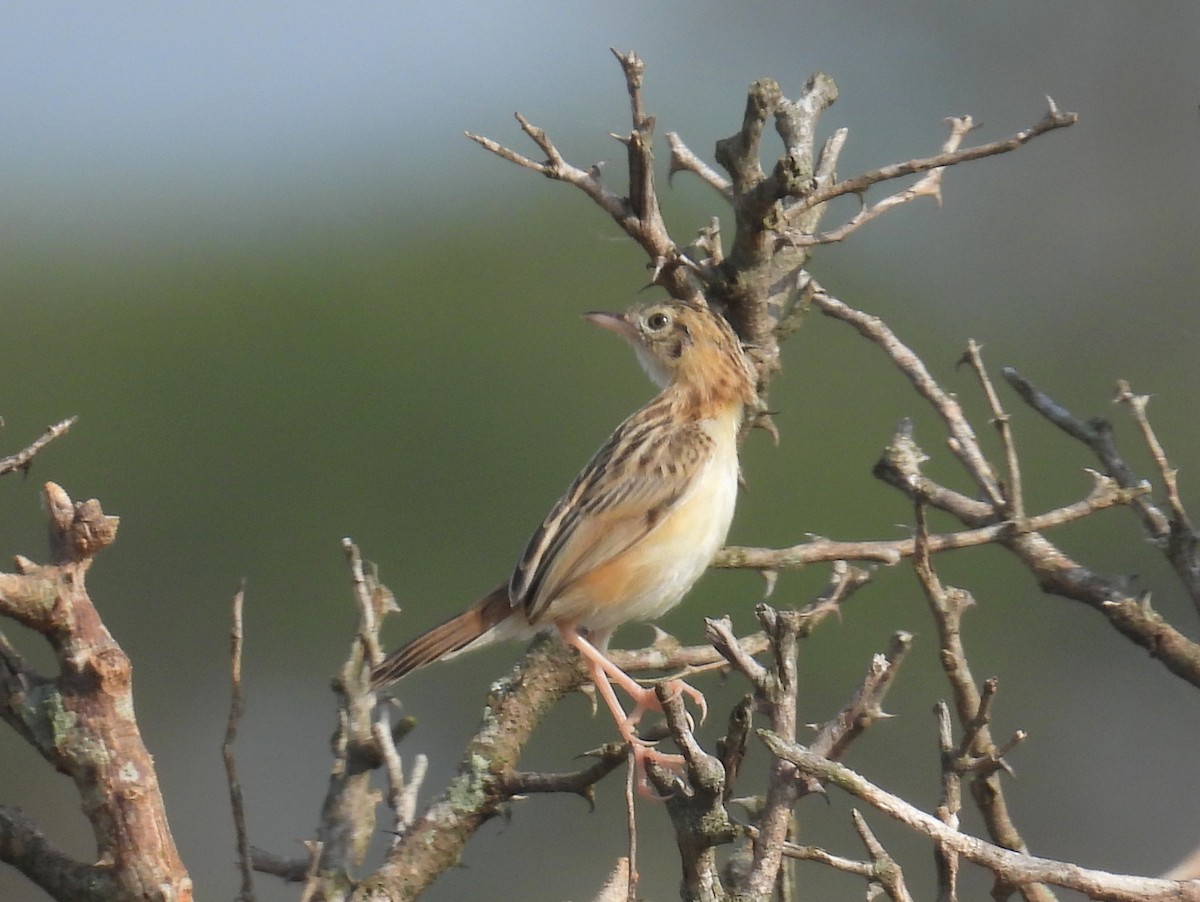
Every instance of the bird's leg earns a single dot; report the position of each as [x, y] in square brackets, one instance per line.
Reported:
[603, 673]
[644, 697]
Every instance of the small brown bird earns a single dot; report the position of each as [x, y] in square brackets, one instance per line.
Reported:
[638, 526]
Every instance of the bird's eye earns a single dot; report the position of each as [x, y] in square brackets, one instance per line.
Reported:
[658, 321]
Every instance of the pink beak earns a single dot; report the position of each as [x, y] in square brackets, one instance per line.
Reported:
[613, 322]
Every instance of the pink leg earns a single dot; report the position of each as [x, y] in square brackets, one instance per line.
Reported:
[644, 698]
[602, 671]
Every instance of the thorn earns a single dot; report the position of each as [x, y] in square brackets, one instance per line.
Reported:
[663, 641]
[770, 577]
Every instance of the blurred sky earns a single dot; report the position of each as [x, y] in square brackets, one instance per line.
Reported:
[249, 245]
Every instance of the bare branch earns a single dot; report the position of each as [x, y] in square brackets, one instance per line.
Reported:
[783, 789]
[1105, 494]
[23, 458]
[1180, 543]
[27, 849]
[83, 721]
[1014, 494]
[1055, 571]
[929, 186]
[684, 160]
[963, 442]
[947, 605]
[237, 707]
[515, 706]
[1015, 867]
[950, 807]
[638, 214]
[1053, 119]
[885, 869]
[1096, 435]
[698, 811]
[866, 706]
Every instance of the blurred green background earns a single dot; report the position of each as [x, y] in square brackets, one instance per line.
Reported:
[248, 245]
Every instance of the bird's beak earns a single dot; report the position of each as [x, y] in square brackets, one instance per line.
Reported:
[613, 322]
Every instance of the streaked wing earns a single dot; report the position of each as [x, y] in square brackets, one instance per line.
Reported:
[633, 482]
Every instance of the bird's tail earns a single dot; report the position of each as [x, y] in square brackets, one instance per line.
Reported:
[476, 623]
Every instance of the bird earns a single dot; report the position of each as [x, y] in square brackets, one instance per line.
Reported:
[638, 526]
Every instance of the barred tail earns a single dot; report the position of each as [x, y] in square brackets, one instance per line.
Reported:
[445, 639]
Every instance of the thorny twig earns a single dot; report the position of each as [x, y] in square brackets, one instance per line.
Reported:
[947, 604]
[950, 156]
[237, 707]
[1014, 867]
[23, 458]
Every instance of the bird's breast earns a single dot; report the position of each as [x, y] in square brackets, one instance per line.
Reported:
[653, 575]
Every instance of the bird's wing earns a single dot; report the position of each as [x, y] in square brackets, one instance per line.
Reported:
[635, 480]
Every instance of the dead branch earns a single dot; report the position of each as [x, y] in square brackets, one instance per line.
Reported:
[1173, 533]
[237, 708]
[1055, 571]
[947, 604]
[23, 458]
[1052, 120]
[1017, 868]
[1105, 493]
[82, 723]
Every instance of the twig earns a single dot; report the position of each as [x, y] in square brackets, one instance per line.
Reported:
[1017, 868]
[929, 186]
[783, 789]
[237, 707]
[631, 876]
[1180, 543]
[1095, 434]
[1053, 119]
[401, 793]
[1105, 493]
[1014, 494]
[1168, 474]
[950, 806]
[885, 869]
[23, 458]
[866, 705]
[290, 870]
[684, 160]
[581, 782]
[638, 214]
[947, 604]
[963, 442]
